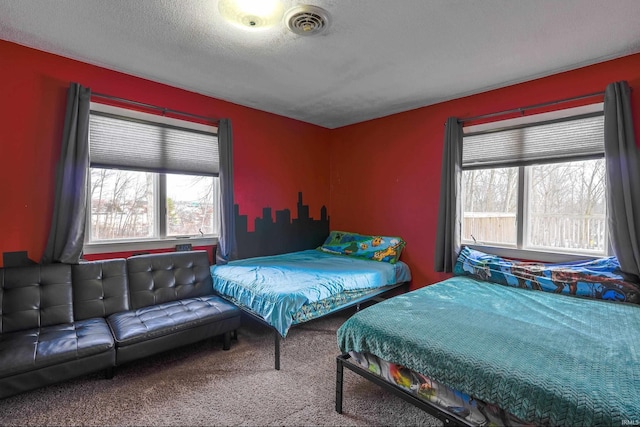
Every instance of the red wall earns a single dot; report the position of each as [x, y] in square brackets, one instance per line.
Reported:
[377, 177]
[385, 173]
[274, 157]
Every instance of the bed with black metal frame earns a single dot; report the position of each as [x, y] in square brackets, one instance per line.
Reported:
[281, 291]
[506, 343]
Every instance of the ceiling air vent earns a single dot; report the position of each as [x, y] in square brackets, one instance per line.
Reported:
[307, 20]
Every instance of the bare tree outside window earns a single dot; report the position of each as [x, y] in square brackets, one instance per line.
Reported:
[190, 205]
[567, 206]
[123, 204]
[564, 207]
[490, 202]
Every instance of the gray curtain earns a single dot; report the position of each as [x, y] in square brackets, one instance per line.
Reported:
[66, 235]
[226, 249]
[623, 178]
[448, 233]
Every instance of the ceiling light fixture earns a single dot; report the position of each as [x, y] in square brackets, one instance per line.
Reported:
[252, 14]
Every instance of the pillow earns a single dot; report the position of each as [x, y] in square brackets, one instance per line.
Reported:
[599, 278]
[377, 248]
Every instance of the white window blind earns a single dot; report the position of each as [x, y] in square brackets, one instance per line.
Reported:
[124, 143]
[578, 138]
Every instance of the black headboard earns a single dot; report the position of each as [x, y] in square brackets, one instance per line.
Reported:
[282, 234]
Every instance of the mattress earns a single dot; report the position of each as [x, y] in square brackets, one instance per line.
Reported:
[290, 288]
[547, 359]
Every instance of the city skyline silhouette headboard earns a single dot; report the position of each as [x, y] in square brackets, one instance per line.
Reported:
[285, 234]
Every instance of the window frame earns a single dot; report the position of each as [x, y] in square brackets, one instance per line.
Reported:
[518, 250]
[160, 240]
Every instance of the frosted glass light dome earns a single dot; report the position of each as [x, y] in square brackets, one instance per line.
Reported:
[251, 14]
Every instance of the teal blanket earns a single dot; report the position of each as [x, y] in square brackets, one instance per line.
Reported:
[548, 359]
[277, 287]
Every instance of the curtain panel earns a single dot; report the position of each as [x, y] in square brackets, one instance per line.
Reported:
[66, 235]
[623, 178]
[449, 217]
[226, 249]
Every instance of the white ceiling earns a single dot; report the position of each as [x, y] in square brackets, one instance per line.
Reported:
[378, 57]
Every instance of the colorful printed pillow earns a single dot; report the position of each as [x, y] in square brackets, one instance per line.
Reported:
[377, 248]
[599, 278]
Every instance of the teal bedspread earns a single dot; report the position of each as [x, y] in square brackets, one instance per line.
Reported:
[548, 359]
[277, 287]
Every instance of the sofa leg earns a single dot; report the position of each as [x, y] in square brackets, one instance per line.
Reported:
[109, 373]
[227, 341]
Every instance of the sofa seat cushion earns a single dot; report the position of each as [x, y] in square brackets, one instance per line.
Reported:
[133, 326]
[36, 348]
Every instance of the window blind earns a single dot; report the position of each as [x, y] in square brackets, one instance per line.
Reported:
[535, 143]
[123, 143]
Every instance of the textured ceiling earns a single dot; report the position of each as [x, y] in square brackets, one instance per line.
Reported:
[377, 57]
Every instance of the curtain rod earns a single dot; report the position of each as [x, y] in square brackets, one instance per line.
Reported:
[530, 107]
[154, 107]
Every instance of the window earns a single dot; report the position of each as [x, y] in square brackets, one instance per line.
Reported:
[152, 178]
[537, 184]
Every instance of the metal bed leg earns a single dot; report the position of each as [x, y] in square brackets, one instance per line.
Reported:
[339, 376]
[277, 355]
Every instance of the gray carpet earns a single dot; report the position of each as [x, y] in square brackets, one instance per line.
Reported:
[201, 385]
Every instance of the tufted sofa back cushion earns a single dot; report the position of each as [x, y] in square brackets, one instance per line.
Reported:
[35, 296]
[100, 288]
[159, 278]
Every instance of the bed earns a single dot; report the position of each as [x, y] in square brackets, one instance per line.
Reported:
[288, 289]
[498, 344]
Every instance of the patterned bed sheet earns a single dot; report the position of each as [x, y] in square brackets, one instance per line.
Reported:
[473, 411]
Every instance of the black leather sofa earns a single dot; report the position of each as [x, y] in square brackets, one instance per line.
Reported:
[59, 321]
